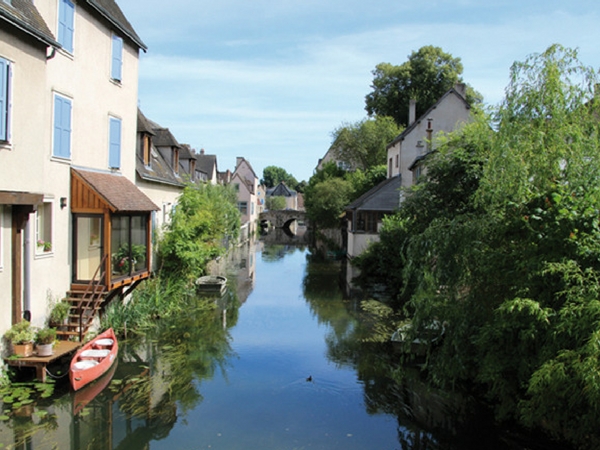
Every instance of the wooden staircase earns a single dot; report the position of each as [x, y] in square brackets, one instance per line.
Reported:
[84, 306]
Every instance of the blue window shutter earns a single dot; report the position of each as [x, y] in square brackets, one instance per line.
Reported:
[117, 58]
[62, 127]
[3, 99]
[114, 152]
[66, 21]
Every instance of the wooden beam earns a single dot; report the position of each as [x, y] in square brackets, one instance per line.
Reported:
[20, 198]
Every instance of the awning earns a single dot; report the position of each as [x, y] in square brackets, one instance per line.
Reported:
[113, 190]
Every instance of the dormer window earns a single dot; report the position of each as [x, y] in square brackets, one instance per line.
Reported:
[146, 149]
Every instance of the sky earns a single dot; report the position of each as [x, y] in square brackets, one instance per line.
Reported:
[270, 80]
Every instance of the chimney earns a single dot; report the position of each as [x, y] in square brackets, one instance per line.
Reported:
[412, 111]
[202, 151]
[461, 88]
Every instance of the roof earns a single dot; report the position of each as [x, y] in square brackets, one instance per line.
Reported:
[164, 138]
[186, 152]
[408, 130]
[143, 124]
[158, 171]
[384, 197]
[111, 12]
[23, 15]
[118, 192]
[206, 163]
[281, 190]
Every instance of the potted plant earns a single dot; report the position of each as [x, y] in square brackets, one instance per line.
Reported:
[44, 341]
[21, 337]
[59, 313]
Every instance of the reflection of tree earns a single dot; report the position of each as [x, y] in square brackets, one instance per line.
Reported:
[427, 418]
[274, 253]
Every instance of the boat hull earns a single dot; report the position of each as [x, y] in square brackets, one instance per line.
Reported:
[93, 359]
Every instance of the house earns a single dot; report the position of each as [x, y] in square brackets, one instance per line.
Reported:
[364, 215]
[405, 155]
[69, 209]
[245, 183]
[207, 164]
[330, 156]
[281, 190]
[155, 174]
[406, 152]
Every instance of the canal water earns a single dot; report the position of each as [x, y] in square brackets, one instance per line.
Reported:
[280, 363]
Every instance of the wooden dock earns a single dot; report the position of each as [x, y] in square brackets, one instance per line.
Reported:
[63, 348]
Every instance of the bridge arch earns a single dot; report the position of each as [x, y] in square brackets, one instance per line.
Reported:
[283, 218]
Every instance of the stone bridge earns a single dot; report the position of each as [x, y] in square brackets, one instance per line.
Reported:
[283, 218]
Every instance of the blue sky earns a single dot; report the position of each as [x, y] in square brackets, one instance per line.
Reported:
[269, 80]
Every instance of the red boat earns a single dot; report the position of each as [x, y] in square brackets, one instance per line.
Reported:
[94, 359]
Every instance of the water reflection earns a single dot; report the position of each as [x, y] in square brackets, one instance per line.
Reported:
[283, 360]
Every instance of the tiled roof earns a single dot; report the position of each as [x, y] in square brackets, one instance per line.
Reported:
[206, 163]
[117, 191]
[164, 138]
[186, 152]
[111, 11]
[384, 197]
[25, 16]
[143, 124]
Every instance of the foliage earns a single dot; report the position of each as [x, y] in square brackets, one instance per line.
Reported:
[364, 144]
[501, 243]
[127, 256]
[20, 333]
[275, 203]
[331, 189]
[45, 335]
[427, 75]
[273, 175]
[206, 216]
[325, 201]
[60, 311]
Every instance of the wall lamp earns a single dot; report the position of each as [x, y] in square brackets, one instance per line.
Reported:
[63, 202]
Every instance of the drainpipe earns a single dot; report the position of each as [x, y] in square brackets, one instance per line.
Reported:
[27, 271]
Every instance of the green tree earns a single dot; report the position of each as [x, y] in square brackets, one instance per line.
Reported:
[273, 175]
[325, 201]
[364, 144]
[427, 75]
[500, 242]
[205, 217]
[275, 203]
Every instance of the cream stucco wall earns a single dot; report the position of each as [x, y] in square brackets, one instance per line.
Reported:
[449, 115]
[27, 163]
[358, 242]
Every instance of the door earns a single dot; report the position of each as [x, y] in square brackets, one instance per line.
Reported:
[87, 246]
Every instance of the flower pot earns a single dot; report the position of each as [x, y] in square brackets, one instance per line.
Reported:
[45, 349]
[23, 350]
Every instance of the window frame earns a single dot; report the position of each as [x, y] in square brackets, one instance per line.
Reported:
[44, 233]
[58, 129]
[115, 144]
[1, 238]
[5, 100]
[66, 25]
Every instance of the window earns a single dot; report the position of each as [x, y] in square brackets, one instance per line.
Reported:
[129, 241]
[4, 99]
[243, 207]
[62, 127]
[43, 228]
[146, 149]
[117, 58]
[66, 20]
[396, 160]
[114, 143]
